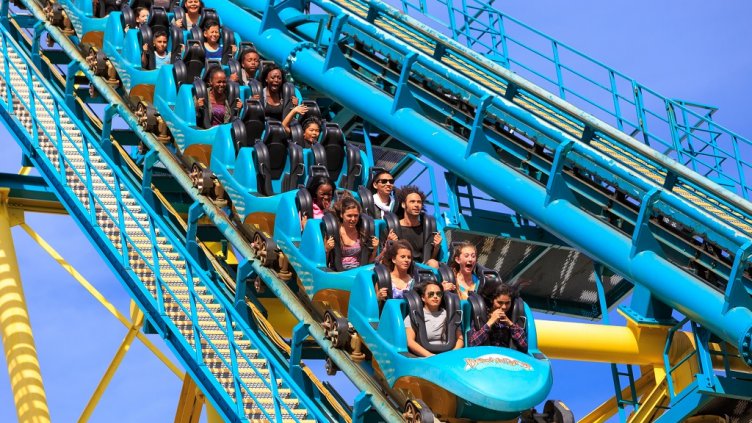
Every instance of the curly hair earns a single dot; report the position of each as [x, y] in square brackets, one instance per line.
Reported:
[456, 253]
[267, 70]
[390, 253]
[402, 195]
[491, 291]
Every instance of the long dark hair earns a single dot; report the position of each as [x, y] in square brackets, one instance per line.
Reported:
[268, 69]
[316, 182]
[491, 290]
[391, 252]
[346, 201]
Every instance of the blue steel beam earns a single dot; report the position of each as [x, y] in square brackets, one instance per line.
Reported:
[603, 244]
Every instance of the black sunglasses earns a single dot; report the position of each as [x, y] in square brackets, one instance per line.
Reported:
[386, 181]
[437, 294]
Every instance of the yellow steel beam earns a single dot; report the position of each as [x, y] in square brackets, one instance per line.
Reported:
[137, 319]
[652, 404]
[25, 170]
[631, 344]
[608, 408]
[18, 341]
[191, 402]
[99, 297]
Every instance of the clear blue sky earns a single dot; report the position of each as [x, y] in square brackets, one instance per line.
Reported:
[692, 50]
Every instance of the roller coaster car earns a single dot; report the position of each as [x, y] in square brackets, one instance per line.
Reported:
[429, 229]
[476, 383]
[204, 114]
[330, 228]
[271, 156]
[79, 18]
[306, 253]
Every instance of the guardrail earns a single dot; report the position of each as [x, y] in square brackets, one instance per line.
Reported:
[682, 130]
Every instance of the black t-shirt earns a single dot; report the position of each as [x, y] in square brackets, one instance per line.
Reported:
[414, 235]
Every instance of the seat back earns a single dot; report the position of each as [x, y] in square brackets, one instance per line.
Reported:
[270, 155]
[146, 36]
[177, 39]
[194, 59]
[486, 275]
[333, 142]
[382, 278]
[276, 141]
[158, 20]
[478, 310]
[294, 176]
[391, 224]
[453, 321]
[197, 34]
[208, 14]
[366, 199]
[354, 171]
[304, 203]
[330, 228]
[180, 73]
[447, 274]
[429, 228]
[127, 17]
[203, 114]
[239, 135]
[369, 229]
[228, 44]
[178, 14]
[233, 96]
[254, 120]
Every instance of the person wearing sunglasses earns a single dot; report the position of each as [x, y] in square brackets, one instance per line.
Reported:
[436, 320]
[382, 189]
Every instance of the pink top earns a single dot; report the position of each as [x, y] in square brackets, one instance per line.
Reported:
[317, 212]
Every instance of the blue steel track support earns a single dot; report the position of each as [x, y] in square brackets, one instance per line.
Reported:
[564, 219]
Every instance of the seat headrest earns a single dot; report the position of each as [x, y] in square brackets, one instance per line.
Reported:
[158, 19]
[304, 202]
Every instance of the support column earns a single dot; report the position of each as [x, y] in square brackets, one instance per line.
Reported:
[18, 341]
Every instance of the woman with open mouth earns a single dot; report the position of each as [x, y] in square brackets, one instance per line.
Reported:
[464, 259]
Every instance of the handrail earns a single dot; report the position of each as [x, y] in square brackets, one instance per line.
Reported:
[126, 217]
[496, 30]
